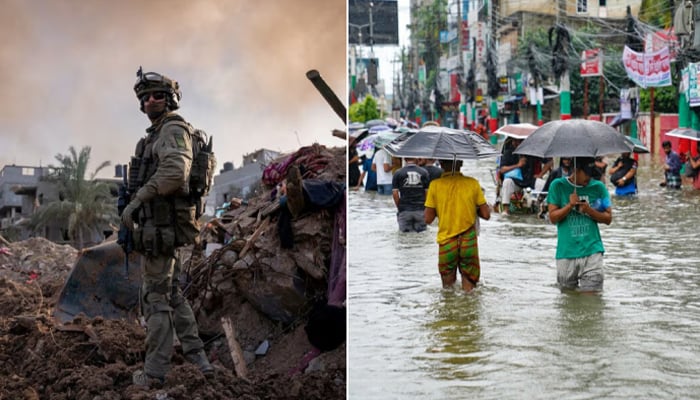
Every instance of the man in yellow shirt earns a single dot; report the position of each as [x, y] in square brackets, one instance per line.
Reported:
[457, 201]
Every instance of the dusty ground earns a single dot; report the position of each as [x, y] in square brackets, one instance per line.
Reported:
[94, 359]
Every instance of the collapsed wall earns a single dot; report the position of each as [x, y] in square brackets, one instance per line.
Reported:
[250, 260]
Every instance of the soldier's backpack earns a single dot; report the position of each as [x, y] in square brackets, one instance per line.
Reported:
[200, 181]
[203, 166]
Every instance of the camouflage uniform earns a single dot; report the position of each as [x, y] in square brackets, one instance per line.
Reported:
[164, 162]
[163, 305]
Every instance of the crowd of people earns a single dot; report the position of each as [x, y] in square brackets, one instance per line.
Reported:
[574, 195]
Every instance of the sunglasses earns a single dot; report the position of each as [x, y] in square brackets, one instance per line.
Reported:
[155, 95]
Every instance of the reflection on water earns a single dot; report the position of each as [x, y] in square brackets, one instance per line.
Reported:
[455, 333]
[581, 319]
[518, 336]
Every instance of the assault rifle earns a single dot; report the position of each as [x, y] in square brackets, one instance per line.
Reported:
[125, 236]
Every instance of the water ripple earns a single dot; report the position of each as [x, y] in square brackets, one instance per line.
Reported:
[517, 336]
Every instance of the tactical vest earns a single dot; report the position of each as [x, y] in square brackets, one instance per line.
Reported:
[168, 222]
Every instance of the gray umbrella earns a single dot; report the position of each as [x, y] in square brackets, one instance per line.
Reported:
[685, 133]
[441, 143]
[374, 122]
[638, 146]
[574, 138]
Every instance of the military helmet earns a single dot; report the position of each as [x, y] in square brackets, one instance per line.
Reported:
[149, 82]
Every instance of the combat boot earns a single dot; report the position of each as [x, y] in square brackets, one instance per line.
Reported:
[199, 358]
[141, 378]
[295, 194]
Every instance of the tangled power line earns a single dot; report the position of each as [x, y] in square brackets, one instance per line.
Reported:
[598, 31]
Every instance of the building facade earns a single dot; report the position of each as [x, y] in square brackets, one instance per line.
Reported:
[19, 186]
[477, 29]
[239, 182]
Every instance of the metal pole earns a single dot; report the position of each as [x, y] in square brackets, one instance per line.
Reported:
[651, 115]
[460, 38]
[600, 98]
[540, 122]
[585, 98]
[371, 44]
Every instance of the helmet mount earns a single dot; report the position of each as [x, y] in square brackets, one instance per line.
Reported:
[149, 82]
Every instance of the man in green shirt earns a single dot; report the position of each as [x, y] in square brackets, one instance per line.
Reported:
[576, 205]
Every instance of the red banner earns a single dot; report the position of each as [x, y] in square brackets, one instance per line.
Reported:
[592, 62]
[465, 36]
[454, 89]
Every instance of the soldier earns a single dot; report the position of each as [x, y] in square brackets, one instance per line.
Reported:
[163, 217]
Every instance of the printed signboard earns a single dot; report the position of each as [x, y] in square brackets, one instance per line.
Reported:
[385, 22]
[648, 69]
[591, 63]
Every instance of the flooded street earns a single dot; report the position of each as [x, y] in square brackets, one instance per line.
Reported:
[517, 336]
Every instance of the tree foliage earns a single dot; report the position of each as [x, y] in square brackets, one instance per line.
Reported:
[83, 206]
[364, 111]
[654, 12]
[430, 19]
[665, 99]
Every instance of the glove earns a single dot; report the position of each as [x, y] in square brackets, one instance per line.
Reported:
[127, 214]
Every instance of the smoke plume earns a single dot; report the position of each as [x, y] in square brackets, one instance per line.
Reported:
[68, 68]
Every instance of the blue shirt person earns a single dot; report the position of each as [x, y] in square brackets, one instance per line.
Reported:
[672, 167]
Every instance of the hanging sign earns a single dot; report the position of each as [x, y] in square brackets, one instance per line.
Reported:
[591, 63]
[648, 69]
[689, 78]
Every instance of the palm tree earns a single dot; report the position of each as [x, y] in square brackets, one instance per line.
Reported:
[83, 206]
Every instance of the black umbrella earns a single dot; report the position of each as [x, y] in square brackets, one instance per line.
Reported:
[574, 138]
[358, 135]
[441, 143]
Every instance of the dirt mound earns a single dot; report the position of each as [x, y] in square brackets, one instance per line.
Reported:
[94, 359]
[37, 261]
[241, 282]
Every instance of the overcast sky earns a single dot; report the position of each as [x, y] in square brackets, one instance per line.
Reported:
[68, 67]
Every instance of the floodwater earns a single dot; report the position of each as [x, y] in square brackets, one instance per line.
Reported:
[517, 336]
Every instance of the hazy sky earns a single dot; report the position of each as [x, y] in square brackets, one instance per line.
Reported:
[68, 67]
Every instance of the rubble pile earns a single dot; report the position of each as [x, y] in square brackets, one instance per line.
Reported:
[264, 291]
[281, 283]
[39, 261]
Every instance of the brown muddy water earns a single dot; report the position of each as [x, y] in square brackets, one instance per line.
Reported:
[518, 336]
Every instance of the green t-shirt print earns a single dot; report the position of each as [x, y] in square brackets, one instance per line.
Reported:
[577, 234]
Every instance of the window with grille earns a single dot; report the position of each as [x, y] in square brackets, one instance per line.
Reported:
[581, 6]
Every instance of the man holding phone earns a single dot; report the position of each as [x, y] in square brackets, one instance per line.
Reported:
[576, 205]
